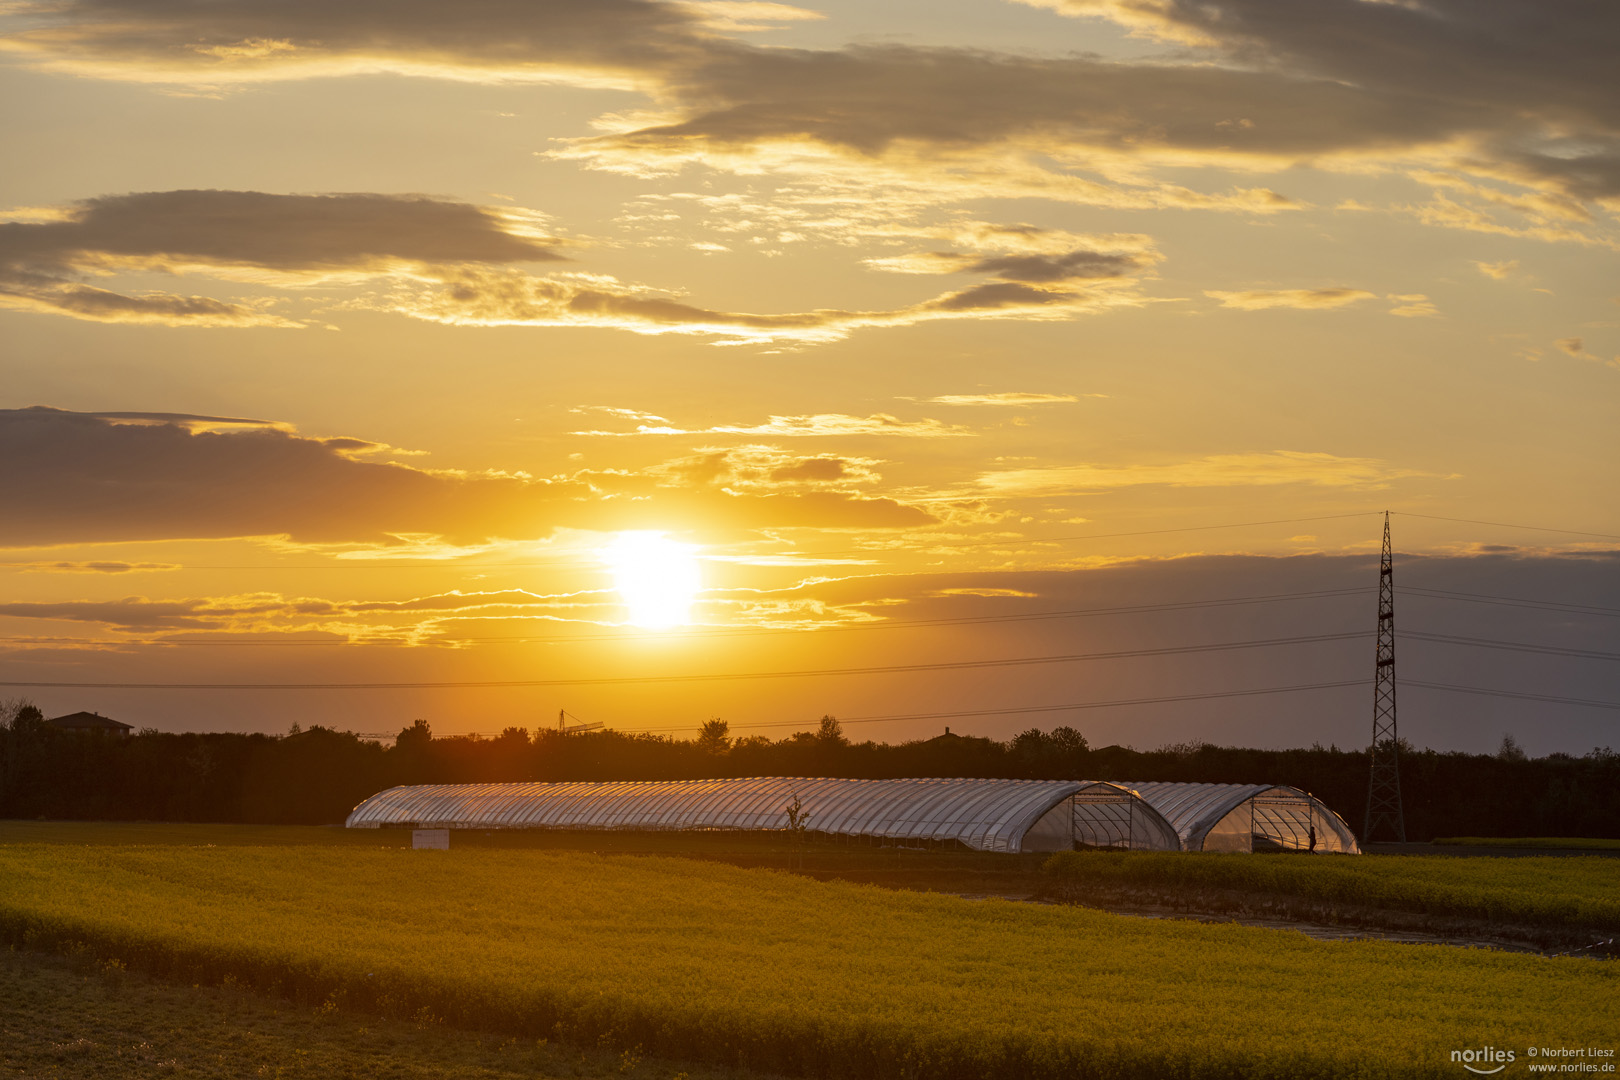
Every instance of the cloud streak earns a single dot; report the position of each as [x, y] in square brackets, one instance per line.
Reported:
[820, 425]
[1541, 66]
[1220, 470]
[1513, 93]
[75, 478]
[1298, 299]
[1006, 398]
[478, 297]
[456, 264]
[270, 613]
[622, 43]
[241, 236]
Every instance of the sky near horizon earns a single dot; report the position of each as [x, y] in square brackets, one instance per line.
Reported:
[347, 342]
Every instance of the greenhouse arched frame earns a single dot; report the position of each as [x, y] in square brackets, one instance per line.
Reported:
[979, 814]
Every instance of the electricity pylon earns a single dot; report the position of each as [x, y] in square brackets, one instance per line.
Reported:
[1384, 786]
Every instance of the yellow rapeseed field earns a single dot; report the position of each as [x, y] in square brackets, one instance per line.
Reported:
[772, 971]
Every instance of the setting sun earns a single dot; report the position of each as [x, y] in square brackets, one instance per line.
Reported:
[657, 577]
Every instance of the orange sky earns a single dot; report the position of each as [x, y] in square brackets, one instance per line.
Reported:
[341, 341]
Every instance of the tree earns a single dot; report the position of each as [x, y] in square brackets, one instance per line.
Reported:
[1029, 745]
[798, 822]
[715, 736]
[412, 756]
[29, 720]
[831, 731]
[21, 716]
[1066, 740]
[1510, 750]
[414, 738]
[10, 707]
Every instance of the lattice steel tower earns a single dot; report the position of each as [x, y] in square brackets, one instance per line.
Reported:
[1384, 787]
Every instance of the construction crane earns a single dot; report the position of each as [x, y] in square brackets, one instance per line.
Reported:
[563, 716]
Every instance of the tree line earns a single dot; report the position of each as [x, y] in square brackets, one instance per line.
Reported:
[317, 775]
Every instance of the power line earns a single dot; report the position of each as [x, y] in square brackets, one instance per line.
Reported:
[1075, 705]
[1507, 525]
[355, 564]
[1513, 694]
[1110, 536]
[888, 669]
[1510, 601]
[1516, 646]
[1024, 710]
[378, 564]
[893, 624]
[888, 624]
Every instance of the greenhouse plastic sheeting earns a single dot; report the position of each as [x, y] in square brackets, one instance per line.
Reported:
[1248, 817]
[986, 815]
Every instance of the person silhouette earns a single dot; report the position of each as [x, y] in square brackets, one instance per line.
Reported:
[1313, 837]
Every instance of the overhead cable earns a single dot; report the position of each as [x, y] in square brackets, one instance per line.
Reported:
[1510, 601]
[887, 669]
[370, 564]
[726, 632]
[1507, 525]
[1513, 694]
[1516, 646]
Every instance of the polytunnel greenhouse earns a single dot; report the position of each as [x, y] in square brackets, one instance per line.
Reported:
[984, 815]
[1248, 817]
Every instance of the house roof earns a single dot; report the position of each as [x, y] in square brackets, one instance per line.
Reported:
[80, 721]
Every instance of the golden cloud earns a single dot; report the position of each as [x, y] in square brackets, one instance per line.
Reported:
[1221, 470]
[245, 235]
[1301, 299]
[753, 468]
[103, 566]
[613, 43]
[484, 297]
[1412, 306]
[453, 263]
[1576, 347]
[142, 309]
[1252, 89]
[1007, 398]
[820, 425]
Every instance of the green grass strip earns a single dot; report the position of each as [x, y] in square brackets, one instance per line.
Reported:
[1530, 842]
[1555, 892]
[770, 971]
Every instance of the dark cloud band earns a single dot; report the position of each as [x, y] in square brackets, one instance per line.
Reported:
[82, 478]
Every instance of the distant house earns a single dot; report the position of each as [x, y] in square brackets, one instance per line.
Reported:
[88, 722]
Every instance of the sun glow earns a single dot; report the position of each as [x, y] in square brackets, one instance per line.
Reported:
[657, 577]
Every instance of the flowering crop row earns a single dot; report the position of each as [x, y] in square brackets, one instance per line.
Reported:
[771, 971]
